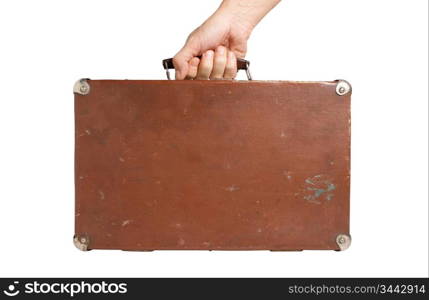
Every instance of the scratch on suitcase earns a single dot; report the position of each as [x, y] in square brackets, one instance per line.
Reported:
[320, 188]
[101, 194]
[87, 132]
[126, 222]
[232, 188]
[288, 174]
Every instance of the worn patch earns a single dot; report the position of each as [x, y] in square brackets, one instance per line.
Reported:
[318, 188]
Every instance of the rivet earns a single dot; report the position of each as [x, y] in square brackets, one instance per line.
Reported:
[81, 243]
[342, 88]
[83, 88]
[343, 241]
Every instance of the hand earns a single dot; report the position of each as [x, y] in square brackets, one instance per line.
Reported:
[220, 40]
[220, 33]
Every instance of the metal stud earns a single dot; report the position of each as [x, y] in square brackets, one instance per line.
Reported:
[343, 241]
[343, 87]
[81, 87]
[81, 242]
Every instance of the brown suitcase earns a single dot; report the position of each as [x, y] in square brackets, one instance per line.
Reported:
[212, 165]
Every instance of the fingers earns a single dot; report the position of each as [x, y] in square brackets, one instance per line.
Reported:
[219, 63]
[193, 68]
[231, 66]
[206, 65]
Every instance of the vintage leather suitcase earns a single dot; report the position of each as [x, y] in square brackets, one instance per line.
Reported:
[212, 165]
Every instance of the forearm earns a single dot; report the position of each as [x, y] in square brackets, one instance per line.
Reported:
[247, 12]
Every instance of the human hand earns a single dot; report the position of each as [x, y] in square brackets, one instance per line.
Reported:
[220, 40]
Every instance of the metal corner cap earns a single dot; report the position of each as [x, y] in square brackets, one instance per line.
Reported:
[343, 241]
[343, 87]
[81, 87]
[81, 242]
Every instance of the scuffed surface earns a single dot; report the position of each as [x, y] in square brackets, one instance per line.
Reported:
[212, 165]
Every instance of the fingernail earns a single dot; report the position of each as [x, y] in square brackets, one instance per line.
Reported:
[209, 53]
[221, 50]
[194, 62]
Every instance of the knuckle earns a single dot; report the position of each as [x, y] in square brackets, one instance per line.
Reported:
[221, 49]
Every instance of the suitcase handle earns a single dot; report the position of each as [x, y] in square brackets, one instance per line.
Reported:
[242, 64]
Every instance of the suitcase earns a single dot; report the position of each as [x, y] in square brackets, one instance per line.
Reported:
[212, 165]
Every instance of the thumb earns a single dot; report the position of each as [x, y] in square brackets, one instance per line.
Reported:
[181, 60]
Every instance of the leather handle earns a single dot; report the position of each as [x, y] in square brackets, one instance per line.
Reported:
[242, 64]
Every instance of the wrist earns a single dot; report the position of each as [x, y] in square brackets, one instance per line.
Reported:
[246, 13]
[237, 16]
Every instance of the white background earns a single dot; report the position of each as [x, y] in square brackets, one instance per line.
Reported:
[381, 47]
